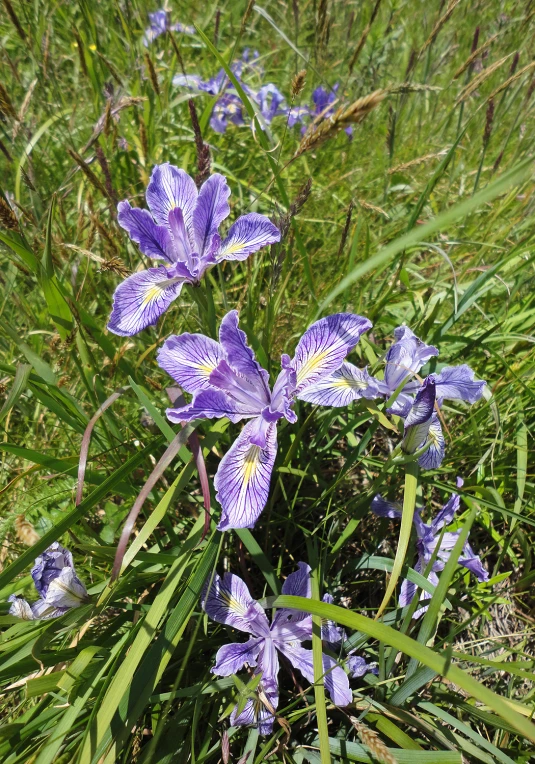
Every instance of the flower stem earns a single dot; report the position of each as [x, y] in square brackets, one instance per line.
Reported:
[319, 687]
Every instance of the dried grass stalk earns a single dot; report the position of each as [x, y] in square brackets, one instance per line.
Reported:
[25, 531]
[373, 208]
[153, 77]
[203, 150]
[472, 57]
[364, 36]
[88, 172]
[438, 26]
[23, 109]
[371, 739]
[298, 83]
[15, 20]
[6, 107]
[8, 219]
[477, 81]
[510, 80]
[246, 15]
[417, 161]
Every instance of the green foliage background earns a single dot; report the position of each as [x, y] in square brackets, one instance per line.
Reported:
[128, 678]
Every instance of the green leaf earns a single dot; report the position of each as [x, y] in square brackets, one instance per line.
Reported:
[18, 387]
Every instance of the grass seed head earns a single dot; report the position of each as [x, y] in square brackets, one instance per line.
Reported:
[298, 83]
[8, 219]
[371, 739]
[25, 531]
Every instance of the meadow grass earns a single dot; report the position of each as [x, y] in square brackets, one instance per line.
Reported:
[424, 217]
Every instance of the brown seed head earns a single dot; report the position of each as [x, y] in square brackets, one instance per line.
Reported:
[298, 83]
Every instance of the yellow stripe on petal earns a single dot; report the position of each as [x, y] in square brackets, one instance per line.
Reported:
[251, 463]
[151, 294]
[236, 607]
[348, 382]
[311, 365]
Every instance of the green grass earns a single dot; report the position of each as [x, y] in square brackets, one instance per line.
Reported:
[440, 236]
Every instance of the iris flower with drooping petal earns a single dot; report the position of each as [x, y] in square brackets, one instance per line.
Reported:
[228, 601]
[429, 537]
[226, 380]
[57, 585]
[182, 229]
[159, 23]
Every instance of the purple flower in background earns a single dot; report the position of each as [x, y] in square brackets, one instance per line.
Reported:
[226, 380]
[159, 23]
[182, 229]
[431, 537]
[335, 636]
[271, 102]
[322, 99]
[57, 585]
[228, 601]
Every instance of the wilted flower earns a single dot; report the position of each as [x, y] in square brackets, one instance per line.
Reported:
[57, 585]
[160, 23]
[431, 536]
[226, 380]
[228, 601]
[182, 229]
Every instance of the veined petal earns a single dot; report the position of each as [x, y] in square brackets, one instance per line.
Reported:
[346, 384]
[190, 359]
[256, 713]
[154, 240]
[447, 513]
[472, 562]
[282, 397]
[141, 299]
[210, 404]
[458, 383]
[406, 357]
[180, 244]
[418, 419]
[243, 478]
[169, 188]
[42, 610]
[324, 346]
[211, 209]
[384, 508]
[66, 591]
[247, 235]
[297, 584]
[20, 608]
[432, 458]
[331, 633]
[334, 677]
[231, 658]
[242, 390]
[359, 667]
[229, 601]
[240, 356]
[49, 566]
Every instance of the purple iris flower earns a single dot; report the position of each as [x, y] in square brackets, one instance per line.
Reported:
[57, 585]
[322, 99]
[335, 636]
[159, 23]
[430, 536]
[228, 601]
[271, 102]
[182, 229]
[422, 427]
[226, 380]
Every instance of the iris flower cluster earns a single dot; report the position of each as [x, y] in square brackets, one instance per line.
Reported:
[57, 585]
[432, 542]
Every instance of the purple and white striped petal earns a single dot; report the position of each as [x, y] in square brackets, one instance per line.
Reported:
[458, 383]
[171, 188]
[210, 404]
[297, 584]
[190, 359]
[419, 417]
[384, 508]
[240, 389]
[324, 346]
[256, 713]
[229, 601]
[345, 385]
[406, 357]
[432, 458]
[141, 299]
[66, 591]
[247, 235]
[231, 658]
[243, 478]
[211, 209]
[20, 608]
[154, 240]
[282, 397]
[240, 356]
[472, 562]
[334, 677]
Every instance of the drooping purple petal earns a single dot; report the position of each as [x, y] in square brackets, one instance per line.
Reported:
[298, 583]
[473, 562]
[49, 566]
[331, 633]
[20, 608]
[384, 508]
[243, 478]
[268, 663]
[190, 359]
[42, 610]
[247, 235]
[432, 458]
[458, 383]
[240, 356]
[447, 513]
[66, 591]
[228, 601]
[346, 384]
[211, 209]
[402, 404]
[256, 713]
[282, 397]
[359, 667]
[171, 188]
[231, 658]
[334, 678]
[210, 404]
[419, 417]
[141, 299]
[154, 240]
[324, 346]
[406, 357]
